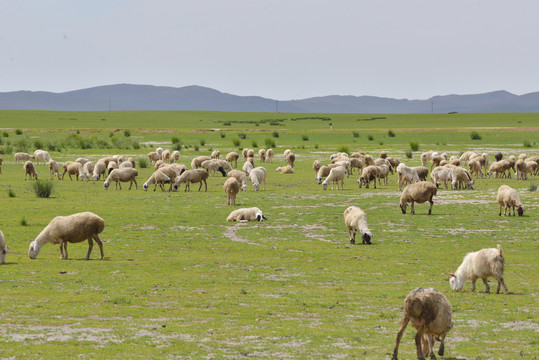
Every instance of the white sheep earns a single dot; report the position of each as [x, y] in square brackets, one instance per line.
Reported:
[3, 248]
[461, 176]
[383, 173]
[100, 168]
[113, 165]
[521, 170]
[291, 158]
[441, 173]
[42, 155]
[30, 169]
[153, 156]
[406, 174]
[335, 176]
[356, 163]
[125, 164]
[425, 157]
[73, 228]
[82, 161]
[214, 165]
[87, 170]
[165, 155]
[22, 157]
[418, 192]
[122, 175]
[355, 220]
[269, 155]
[196, 162]
[475, 167]
[157, 178]
[232, 157]
[246, 214]
[262, 154]
[429, 311]
[240, 176]
[323, 172]
[175, 156]
[258, 176]
[215, 154]
[247, 167]
[54, 169]
[508, 198]
[481, 264]
[232, 188]
[316, 166]
[285, 169]
[250, 153]
[531, 168]
[192, 176]
[72, 168]
[368, 174]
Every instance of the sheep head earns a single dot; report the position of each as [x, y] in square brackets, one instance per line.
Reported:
[106, 184]
[403, 207]
[260, 216]
[325, 185]
[520, 210]
[33, 250]
[367, 236]
[455, 283]
[145, 186]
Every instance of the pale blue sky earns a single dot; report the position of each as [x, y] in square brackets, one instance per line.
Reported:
[281, 49]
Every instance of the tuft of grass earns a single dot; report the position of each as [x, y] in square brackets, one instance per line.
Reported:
[43, 188]
[23, 221]
[236, 142]
[527, 143]
[381, 142]
[254, 144]
[196, 148]
[127, 133]
[5, 134]
[18, 132]
[202, 142]
[222, 134]
[532, 187]
[370, 137]
[143, 162]
[408, 154]
[175, 140]
[355, 134]
[275, 134]
[414, 145]
[242, 136]
[343, 149]
[474, 135]
[390, 133]
[304, 138]
[10, 192]
[270, 143]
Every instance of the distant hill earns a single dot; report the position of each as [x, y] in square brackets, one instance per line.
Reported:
[146, 97]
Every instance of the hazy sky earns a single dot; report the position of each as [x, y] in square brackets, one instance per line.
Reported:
[281, 49]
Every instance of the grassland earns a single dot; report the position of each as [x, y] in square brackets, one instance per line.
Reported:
[179, 282]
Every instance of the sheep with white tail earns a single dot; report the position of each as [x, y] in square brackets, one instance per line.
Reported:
[481, 264]
[508, 198]
[258, 176]
[355, 220]
[74, 229]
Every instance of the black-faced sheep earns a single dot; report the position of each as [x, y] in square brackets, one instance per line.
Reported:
[246, 214]
[232, 188]
[73, 228]
[481, 264]
[418, 192]
[122, 175]
[355, 219]
[508, 198]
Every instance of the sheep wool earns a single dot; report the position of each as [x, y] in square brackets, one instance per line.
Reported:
[355, 220]
[246, 214]
[3, 248]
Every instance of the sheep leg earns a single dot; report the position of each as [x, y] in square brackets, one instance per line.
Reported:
[62, 250]
[418, 338]
[62, 174]
[501, 281]
[200, 186]
[413, 210]
[404, 323]
[500, 214]
[206, 186]
[100, 244]
[431, 203]
[487, 287]
[473, 283]
[352, 235]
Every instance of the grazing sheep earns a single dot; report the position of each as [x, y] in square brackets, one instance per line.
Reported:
[369, 160]
[430, 313]
[422, 172]
[460, 177]
[346, 165]
[240, 176]
[171, 171]
[157, 178]
[385, 162]
[466, 156]
[316, 166]
[3, 248]
[42, 155]
[73, 228]
[269, 155]
[356, 163]
[323, 172]
[87, 170]
[499, 167]
[257, 176]
[232, 157]
[383, 173]
[175, 156]
[383, 155]
[153, 156]
[246, 214]
[262, 154]
[192, 176]
[441, 173]
[159, 150]
[250, 153]
[122, 175]
[425, 157]
[285, 169]
[418, 192]
[22, 157]
[475, 167]
[531, 168]
[508, 198]
[370, 173]
[82, 161]
[247, 167]
[406, 174]
[355, 219]
[126, 164]
[435, 161]
[196, 162]
[215, 154]
[165, 155]
[335, 175]
[481, 264]
[498, 156]
[232, 188]
[244, 153]
[521, 170]
[158, 164]
[114, 165]
[30, 169]
[393, 161]
[454, 161]
[108, 159]
[291, 158]
[100, 168]
[54, 169]
[214, 165]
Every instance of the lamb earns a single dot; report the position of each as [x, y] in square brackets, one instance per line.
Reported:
[285, 169]
[370, 173]
[23, 157]
[196, 162]
[54, 169]
[232, 188]
[435, 161]
[192, 176]
[244, 153]
[73, 228]
[87, 170]
[157, 178]
[257, 176]
[42, 155]
[30, 169]
[269, 155]
[419, 192]
[291, 158]
[508, 198]
[246, 214]
[430, 313]
[213, 165]
[262, 154]
[406, 174]
[316, 166]
[240, 176]
[461, 176]
[3, 248]
[100, 168]
[323, 172]
[215, 154]
[82, 161]
[153, 156]
[175, 156]
[122, 175]
[481, 264]
[335, 175]
[232, 157]
[355, 219]
[441, 173]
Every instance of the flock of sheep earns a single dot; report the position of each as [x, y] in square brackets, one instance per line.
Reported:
[427, 309]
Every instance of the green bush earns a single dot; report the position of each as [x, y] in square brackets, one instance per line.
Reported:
[275, 134]
[127, 133]
[474, 135]
[23, 221]
[202, 142]
[242, 136]
[532, 187]
[196, 148]
[236, 142]
[175, 140]
[390, 133]
[355, 134]
[343, 149]
[254, 144]
[43, 188]
[408, 154]
[5, 134]
[222, 135]
[527, 143]
[270, 143]
[18, 132]
[143, 163]
[304, 138]
[414, 145]
[10, 192]
[370, 137]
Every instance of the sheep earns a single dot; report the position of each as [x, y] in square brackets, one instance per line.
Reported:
[460, 177]
[406, 174]
[23, 157]
[42, 155]
[122, 175]
[498, 156]
[291, 158]
[262, 154]
[418, 192]
[269, 155]
[257, 176]
[232, 157]
[157, 178]
[508, 198]
[246, 214]
[316, 166]
[499, 167]
[125, 164]
[215, 154]
[3, 248]
[454, 161]
[430, 313]
[285, 169]
[30, 169]
[425, 157]
[355, 219]
[175, 156]
[232, 188]
[346, 165]
[286, 152]
[165, 155]
[107, 160]
[244, 153]
[153, 156]
[368, 160]
[158, 164]
[531, 168]
[339, 157]
[87, 170]
[171, 171]
[383, 155]
[393, 161]
[475, 167]
[192, 176]
[383, 172]
[240, 176]
[118, 159]
[441, 173]
[180, 168]
[435, 161]
[247, 167]
[159, 150]
[54, 169]
[335, 175]
[196, 162]
[100, 168]
[466, 156]
[356, 163]
[73, 228]
[381, 161]
[250, 153]
[521, 170]
[520, 157]
[82, 161]
[113, 165]
[323, 172]
[422, 172]
[213, 165]
[481, 264]
[368, 174]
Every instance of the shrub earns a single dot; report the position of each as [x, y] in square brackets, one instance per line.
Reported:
[474, 135]
[355, 134]
[370, 137]
[316, 146]
[343, 149]
[127, 133]
[236, 142]
[136, 145]
[10, 192]
[304, 138]
[275, 134]
[390, 133]
[196, 147]
[254, 144]
[18, 132]
[143, 162]
[23, 221]
[202, 142]
[414, 145]
[532, 187]
[527, 143]
[222, 135]
[38, 144]
[175, 140]
[270, 143]
[43, 188]
[5, 134]
[408, 154]
[381, 142]
[242, 136]
[228, 123]
[176, 147]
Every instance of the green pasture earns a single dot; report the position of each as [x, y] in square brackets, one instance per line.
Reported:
[179, 282]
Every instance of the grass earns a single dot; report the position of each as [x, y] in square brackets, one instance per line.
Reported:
[180, 282]
[43, 188]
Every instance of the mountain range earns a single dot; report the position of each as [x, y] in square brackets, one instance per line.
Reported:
[128, 97]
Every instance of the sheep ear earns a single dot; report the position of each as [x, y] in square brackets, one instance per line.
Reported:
[452, 275]
[258, 218]
[263, 217]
